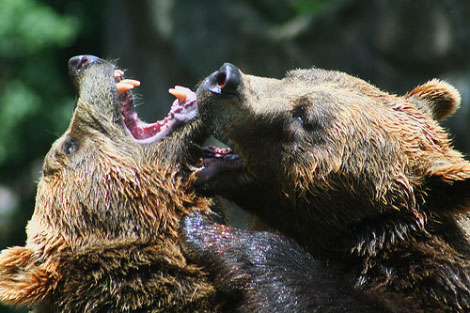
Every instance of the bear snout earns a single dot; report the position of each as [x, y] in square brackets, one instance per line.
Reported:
[77, 63]
[224, 81]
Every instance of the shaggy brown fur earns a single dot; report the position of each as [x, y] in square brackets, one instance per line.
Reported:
[104, 234]
[111, 225]
[368, 182]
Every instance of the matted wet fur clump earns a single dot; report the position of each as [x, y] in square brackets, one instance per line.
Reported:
[366, 181]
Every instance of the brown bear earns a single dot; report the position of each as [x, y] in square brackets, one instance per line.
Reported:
[366, 181]
[106, 234]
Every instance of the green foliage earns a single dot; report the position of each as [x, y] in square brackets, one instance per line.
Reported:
[32, 93]
[311, 6]
[16, 103]
[27, 27]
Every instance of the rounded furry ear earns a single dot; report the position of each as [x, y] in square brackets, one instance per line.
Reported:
[436, 97]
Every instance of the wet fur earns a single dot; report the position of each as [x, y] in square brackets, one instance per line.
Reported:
[366, 181]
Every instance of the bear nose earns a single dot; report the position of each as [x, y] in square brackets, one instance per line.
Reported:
[79, 62]
[224, 81]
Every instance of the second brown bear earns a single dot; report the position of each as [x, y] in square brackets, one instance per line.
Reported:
[367, 181]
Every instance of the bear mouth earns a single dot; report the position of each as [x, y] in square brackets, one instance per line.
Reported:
[216, 161]
[212, 160]
[182, 110]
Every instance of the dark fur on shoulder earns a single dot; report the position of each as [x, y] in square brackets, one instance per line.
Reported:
[268, 272]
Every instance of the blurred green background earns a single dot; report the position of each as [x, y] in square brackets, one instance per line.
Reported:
[394, 44]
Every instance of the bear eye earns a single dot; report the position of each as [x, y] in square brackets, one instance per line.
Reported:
[300, 115]
[70, 146]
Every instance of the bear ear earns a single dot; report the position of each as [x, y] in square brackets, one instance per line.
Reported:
[22, 280]
[449, 186]
[436, 97]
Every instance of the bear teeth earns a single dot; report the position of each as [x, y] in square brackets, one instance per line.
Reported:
[126, 85]
[123, 85]
[180, 92]
[118, 74]
[182, 110]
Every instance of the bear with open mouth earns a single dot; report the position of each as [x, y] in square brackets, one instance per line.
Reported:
[366, 181]
[104, 233]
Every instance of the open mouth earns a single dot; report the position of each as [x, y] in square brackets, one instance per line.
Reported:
[182, 110]
[216, 161]
[213, 161]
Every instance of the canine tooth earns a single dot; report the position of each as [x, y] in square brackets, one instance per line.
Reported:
[180, 93]
[126, 84]
[132, 82]
[118, 73]
[123, 87]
